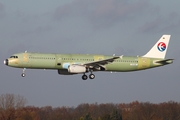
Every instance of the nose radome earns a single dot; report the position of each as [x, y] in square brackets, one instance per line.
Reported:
[6, 62]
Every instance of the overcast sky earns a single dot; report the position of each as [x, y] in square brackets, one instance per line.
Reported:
[120, 27]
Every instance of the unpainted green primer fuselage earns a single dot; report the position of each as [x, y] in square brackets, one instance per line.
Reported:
[69, 64]
[60, 61]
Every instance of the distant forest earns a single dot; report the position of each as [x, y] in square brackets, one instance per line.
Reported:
[12, 107]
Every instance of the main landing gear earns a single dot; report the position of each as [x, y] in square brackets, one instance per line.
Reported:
[23, 74]
[91, 76]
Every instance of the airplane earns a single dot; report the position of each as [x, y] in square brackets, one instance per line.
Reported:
[70, 64]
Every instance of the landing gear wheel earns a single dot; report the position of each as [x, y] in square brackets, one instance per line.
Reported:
[84, 77]
[23, 74]
[91, 76]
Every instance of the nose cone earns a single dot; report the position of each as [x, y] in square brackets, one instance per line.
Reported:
[6, 62]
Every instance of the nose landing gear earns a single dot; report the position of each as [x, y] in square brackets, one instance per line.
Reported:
[23, 74]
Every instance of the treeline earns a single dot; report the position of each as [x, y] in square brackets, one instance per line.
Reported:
[14, 109]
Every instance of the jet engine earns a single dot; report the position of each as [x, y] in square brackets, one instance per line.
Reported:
[77, 69]
[64, 72]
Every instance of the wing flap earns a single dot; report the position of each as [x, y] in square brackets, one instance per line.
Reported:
[101, 62]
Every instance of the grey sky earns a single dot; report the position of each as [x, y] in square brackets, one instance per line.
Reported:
[90, 27]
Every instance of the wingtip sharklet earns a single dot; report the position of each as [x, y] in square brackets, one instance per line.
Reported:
[116, 57]
[121, 56]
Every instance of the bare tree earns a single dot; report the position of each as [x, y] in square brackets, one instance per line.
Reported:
[8, 104]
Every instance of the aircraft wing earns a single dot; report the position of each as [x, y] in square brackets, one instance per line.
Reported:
[100, 63]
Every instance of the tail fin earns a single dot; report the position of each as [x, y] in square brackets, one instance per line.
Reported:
[160, 48]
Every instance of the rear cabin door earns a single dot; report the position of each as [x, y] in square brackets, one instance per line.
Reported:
[143, 63]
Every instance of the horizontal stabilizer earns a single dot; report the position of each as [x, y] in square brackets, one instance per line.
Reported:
[166, 61]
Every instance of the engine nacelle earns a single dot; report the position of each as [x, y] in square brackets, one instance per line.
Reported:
[64, 72]
[77, 69]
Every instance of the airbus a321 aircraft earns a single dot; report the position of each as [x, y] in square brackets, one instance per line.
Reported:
[70, 64]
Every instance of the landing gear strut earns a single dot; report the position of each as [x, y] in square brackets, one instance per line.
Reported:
[23, 74]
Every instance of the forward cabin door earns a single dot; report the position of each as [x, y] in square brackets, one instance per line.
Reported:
[25, 60]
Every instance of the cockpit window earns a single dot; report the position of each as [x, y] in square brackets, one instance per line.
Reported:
[14, 57]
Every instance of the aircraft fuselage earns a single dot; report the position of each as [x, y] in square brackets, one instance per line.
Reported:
[62, 61]
[69, 64]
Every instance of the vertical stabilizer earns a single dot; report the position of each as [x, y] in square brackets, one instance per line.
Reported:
[160, 48]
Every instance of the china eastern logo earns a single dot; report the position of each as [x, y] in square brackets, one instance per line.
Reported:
[161, 46]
